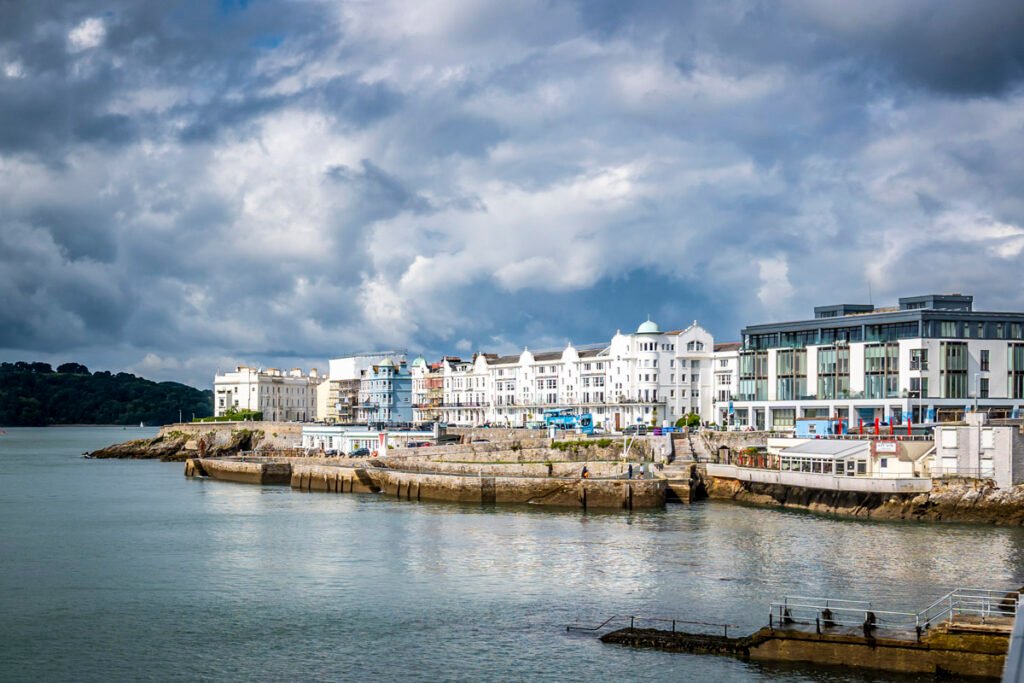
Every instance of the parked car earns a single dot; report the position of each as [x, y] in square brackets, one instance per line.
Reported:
[359, 453]
[418, 444]
[639, 430]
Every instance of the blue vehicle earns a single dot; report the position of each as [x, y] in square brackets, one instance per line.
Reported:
[564, 418]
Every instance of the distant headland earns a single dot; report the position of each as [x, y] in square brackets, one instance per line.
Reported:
[33, 394]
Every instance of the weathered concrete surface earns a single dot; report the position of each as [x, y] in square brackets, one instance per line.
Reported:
[938, 652]
[247, 472]
[528, 450]
[310, 477]
[977, 501]
[178, 442]
[577, 493]
[506, 469]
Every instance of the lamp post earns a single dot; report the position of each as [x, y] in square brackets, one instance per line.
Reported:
[977, 389]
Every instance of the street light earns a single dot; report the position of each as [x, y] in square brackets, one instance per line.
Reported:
[977, 389]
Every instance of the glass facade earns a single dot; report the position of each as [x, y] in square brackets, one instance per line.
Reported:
[791, 374]
[881, 371]
[954, 369]
[833, 372]
[754, 376]
[1015, 370]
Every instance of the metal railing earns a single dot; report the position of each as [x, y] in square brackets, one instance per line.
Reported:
[972, 605]
[962, 472]
[635, 622]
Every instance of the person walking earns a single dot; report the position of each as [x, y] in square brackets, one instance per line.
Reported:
[630, 476]
[585, 474]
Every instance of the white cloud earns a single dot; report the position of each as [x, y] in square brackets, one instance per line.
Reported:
[86, 35]
[775, 289]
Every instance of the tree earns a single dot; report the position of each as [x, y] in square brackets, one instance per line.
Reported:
[32, 394]
[72, 369]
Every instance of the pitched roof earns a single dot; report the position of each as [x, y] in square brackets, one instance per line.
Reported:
[832, 448]
[728, 346]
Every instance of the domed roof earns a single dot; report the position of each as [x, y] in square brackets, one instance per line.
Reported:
[419, 362]
[648, 327]
[387, 363]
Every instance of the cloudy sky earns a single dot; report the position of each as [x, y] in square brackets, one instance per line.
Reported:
[185, 186]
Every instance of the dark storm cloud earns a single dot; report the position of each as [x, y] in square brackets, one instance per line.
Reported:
[191, 185]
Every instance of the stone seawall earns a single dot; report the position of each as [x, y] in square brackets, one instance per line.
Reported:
[476, 488]
[610, 494]
[973, 501]
[597, 469]
[266, 473]
[331, 479]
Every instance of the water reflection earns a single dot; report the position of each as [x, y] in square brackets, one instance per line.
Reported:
[132, 558]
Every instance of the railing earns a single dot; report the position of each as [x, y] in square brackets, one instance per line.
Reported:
[977, 605]
[634, 620]
[1014, 669]
[962, 472]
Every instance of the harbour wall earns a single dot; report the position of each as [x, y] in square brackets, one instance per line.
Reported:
[597, 469]
[609, 494]
[434, 486]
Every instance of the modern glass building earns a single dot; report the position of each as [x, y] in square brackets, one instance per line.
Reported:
[924, 360]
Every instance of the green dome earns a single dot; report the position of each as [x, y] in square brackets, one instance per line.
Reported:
[419, 362]
[648, 327]
[387, 363]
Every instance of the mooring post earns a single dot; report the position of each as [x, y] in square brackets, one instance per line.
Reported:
[725, 628]
[817, 625]
[630, 623]
[673, 626]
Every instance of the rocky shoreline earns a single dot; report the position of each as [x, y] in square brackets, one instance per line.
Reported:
[178, 446]
[958, 500]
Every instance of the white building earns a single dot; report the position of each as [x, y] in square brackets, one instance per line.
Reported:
[980, 449]
[648, 377]
[927, 360]
[338, 396]
[280, 396]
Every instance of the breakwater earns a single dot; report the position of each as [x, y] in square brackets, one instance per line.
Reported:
[461, 485]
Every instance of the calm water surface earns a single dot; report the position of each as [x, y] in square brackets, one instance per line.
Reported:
[122, 570]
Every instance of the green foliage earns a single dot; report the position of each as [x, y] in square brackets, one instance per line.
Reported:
[689, 420]
[233, 415]
[32, 395]
[576, 445]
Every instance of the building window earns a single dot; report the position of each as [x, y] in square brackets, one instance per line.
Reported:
[784, 417]
[918, 387]
[983, 387]
[881, 371]
[984, 360]
[919, 359]
[791, 374]
[1015, 370]
[954, 370]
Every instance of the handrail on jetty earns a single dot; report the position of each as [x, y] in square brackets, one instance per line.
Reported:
[634, 619]
[963, 605]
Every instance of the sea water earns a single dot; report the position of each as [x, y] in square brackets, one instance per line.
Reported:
[126, 570]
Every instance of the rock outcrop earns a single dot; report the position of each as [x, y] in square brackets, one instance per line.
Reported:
[976, 501]
[176, 446]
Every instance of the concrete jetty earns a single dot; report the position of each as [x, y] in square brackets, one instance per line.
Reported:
[965, 633]
[942, 651]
